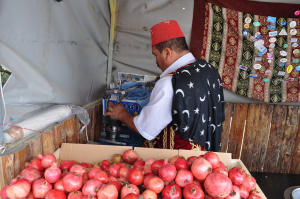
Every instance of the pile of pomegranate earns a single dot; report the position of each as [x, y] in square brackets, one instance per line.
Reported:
[129, 177]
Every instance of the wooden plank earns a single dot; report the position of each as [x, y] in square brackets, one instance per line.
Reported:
[226, 127]
[35, 147]
[71, 135]
[289, 137]
[82, 136]
[262, 137]
[48, 142]
[58, 137]
[252, 125]
[237, 129]
[7, 169]
[295, 162]
[91, 126]
[275, 139]
[98, 117]
[19, 161]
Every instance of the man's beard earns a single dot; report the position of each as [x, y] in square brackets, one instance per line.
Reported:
[158, 66]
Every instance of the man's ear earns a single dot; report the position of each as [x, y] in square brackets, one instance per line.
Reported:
[168, 53]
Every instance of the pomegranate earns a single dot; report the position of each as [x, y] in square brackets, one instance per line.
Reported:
[117, 184]
[30, 174]
[89, 197]
[249, 183]
[221, 170]
[167, 171]
[93, 172]
[136, 177]
[84, 178]
[129, 188]
[73, 162]
[53, 173]
[40, 188]
[47, 160]
[244, 193]
[76, 168]
[196, 182]
[174, 158]
[102, 177]
[72, 182]
[148, 194]
[36, 163]
[117, 158]
[55, 194]
[84, 165]
[236, 175]
[3, 192]
[201, 168]
[111, 178]
[139, 163]
[147, 170]
[91, 187]
[30, 196]
[254, 196]
[218, 185]
[108, 192]
[191, 159]
[172, 192]
[150, 161]
[130, 156]
[75, 195]
[234, 194]
[64, 173]
[59, 186]
[213, 158]
[120, 164]
[156, 184]
[147, 178]
[181, 163]
[105, 163]
[18, 188]
[123, 181]
[65, 165]
[123, 172]
[184, 177]
[90, 165]
[156, 165]
[222, 165]
[114, 170]
[131, 196]
[193, 191]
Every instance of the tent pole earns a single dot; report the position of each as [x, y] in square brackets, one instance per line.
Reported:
[2, 143]
[112, 5]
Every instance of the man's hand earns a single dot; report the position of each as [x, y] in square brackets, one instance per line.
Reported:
[122, 114]
[116, 111]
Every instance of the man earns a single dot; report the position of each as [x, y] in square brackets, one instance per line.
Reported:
[154, 122]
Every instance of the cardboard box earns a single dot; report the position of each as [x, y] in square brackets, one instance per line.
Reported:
[93, 153]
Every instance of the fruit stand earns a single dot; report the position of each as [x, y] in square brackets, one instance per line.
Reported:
[244, 136]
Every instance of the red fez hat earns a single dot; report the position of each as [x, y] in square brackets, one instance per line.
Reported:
[164, 31]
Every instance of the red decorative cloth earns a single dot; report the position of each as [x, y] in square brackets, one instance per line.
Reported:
[165, 31]
[169, 139]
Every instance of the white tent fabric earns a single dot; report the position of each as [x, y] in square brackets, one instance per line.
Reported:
[58, 51]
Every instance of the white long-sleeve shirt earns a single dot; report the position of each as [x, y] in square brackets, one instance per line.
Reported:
[157, 114]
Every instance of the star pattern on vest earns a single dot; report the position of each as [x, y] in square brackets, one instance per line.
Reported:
[191, 85]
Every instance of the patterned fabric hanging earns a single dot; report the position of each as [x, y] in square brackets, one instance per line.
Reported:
[257, 55]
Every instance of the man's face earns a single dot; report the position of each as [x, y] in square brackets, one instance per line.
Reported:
[159, 58]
